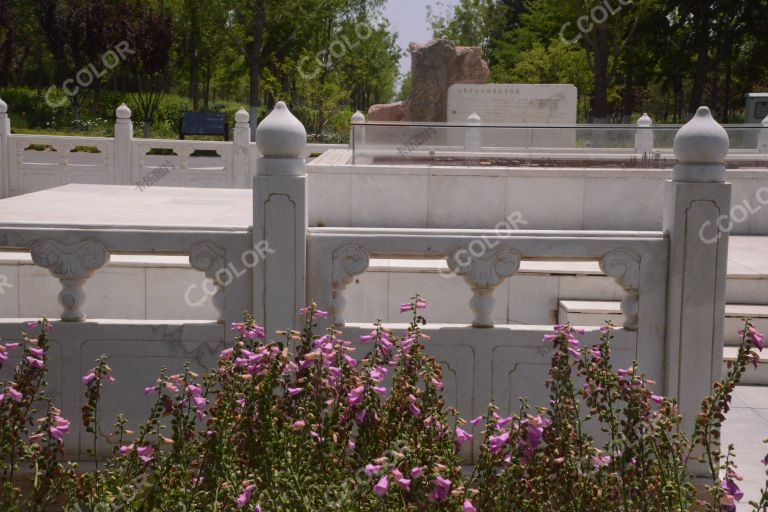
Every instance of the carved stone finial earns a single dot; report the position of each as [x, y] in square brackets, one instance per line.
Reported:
[280, 134]
[358, 117]
[701, 147]
[72, 265]
[3, 107]
[483, 273]
[242, 116]
[348, 261]
[624, 267]
[211, 260]
[645, 121]
[123, 112]
[474, 119]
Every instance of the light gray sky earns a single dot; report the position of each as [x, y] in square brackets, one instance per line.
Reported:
[409, 19]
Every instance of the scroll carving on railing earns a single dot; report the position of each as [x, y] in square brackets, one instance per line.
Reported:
[624, 267]
[72, 265]
[483, 273]
[211, 260]
[348, 261]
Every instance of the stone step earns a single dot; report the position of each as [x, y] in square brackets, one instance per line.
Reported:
[581, 312]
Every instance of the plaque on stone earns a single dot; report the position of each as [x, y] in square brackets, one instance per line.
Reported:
[517, 104]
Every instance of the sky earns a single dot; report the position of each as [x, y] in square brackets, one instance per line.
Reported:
[409, 19]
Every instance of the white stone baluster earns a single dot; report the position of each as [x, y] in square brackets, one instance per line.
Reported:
[5, 163]
[356, 133]
[124, 171]
[473, 137]
[241, 140]
[762, 137]
[348, 262]
[697, 203]
[280, 220]
[484, 273]
[211, 260]
[72, 265]
[624, 267]
[644, 136]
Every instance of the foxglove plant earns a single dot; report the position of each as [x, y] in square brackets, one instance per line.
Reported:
[328, 429]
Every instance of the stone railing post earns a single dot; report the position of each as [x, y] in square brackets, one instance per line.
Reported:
[473, 138]
[5, 170]
[241, 157]
[280, 221]
[356, 136]
[762, 137]
[697, 205]
[123, 141]
[644, 136]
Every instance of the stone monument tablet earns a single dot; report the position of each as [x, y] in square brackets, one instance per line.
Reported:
[517, 104]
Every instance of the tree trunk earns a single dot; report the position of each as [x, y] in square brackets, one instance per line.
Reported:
[702, 57]
[147, 128]
[254, 58]
[194, 57]
[600, 51]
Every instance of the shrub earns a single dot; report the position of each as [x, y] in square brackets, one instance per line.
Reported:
[321, 430]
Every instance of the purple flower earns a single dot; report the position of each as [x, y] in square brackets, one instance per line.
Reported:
[88, 378]
[406, 306]
[440, 488]
[468, 507]
[477, 420]
[356, 396]
[414, 410]
[462, 436]
[37, 352]
[732, 489]
[59, 428]
[145, 453]
[294, 391]
[497, 442]
[380, 390]
[417, 472]
[34, 363]
[14, 394]
[657, 399]
[320, 314]
[372, 469]
[381, 486]
[244, 497]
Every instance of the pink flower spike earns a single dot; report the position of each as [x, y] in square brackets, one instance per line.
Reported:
[381, 486]
[468, 507]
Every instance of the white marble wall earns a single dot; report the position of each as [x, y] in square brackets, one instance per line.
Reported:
[450, 197]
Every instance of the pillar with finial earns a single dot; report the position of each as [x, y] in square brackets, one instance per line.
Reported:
[280, 220]
[5, 131]
[241, 140]
[123, 141]
[356, 131]
[644, 135]
[762, 137]
[473, 138]
[696, 220]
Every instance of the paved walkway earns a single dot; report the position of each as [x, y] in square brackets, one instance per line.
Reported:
[746, 427]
